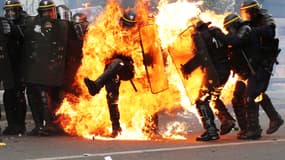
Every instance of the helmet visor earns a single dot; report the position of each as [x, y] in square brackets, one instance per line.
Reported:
[63, 14]
[50, 12]
[10, 13]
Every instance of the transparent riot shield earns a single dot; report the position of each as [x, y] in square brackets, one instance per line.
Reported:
[182, 53]
[154, 60]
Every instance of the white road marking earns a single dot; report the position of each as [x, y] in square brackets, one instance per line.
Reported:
[109, 154]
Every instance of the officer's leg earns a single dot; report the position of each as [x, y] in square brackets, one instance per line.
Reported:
[21, 108]
[227, 121]
[10, 111]
[112, 88]
[207, 118]
[253, 127]
[239, 106]
[110, 71]
[33, 93]
[54, 101]
[47, 112]
[275, 119]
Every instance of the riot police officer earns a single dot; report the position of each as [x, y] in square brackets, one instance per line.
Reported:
[264, 25]
[78, 29]
[44, 65]
[6, 74]
[63, 12]
[245, 62]
[212, 56]
[14, 99]
[119, 67]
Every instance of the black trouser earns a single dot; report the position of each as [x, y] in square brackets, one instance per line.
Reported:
[205, 111]
[239, 104]
[112, 88]
[257, 84]
[15, 105]
[43, 101]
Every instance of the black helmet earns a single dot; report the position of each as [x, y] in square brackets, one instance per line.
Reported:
[79, 18]
[200, 24]
[129, 19]
[249, 9]
[12, 9]
[232, 22]
[63, 12]
[47, 9]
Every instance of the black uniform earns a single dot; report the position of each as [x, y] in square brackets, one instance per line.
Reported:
[44, 66]
[212, 55]
[245, 61]
[6, 74]
[14, 99]
[118, 67]
[264, 26]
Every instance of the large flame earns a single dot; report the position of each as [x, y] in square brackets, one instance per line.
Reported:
[88, 116]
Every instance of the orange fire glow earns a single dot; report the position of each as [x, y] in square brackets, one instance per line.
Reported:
[88, 116]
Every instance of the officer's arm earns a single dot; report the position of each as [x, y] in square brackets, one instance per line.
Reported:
[267, 31]
[229, 39]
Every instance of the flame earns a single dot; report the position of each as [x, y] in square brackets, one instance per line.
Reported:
[227, 92]
[88, 116]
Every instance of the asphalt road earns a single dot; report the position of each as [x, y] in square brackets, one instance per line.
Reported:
[76, 148]
[269, 147]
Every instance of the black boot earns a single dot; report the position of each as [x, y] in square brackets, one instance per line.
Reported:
[253, 130]
[227, 121]
[110, 72]
[207, 118]
[240, 113]
[275, 119]
[93, 87]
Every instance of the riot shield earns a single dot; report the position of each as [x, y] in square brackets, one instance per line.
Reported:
[45, 52]
[182, 53]
[153, 58]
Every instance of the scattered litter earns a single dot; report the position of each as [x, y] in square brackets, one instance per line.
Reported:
[2, 144]
[86, 154]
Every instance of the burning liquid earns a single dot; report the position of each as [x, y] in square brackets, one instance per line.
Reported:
[88, 116]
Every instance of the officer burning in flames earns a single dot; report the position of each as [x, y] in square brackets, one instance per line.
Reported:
[119, 67]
